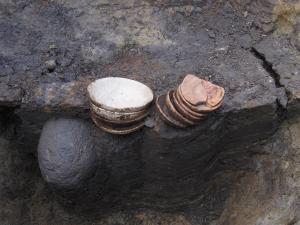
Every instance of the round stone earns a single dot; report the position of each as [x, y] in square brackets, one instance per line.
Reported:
[66, 153]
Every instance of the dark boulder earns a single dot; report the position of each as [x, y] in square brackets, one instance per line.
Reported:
[67, 153]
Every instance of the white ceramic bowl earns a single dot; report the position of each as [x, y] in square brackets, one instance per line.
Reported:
[118, 117]
[117, 130]
[120, 94]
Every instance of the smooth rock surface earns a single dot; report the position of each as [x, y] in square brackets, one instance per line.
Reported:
[66, 153]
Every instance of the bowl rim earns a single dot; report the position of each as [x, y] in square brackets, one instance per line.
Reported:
[120, 130]
[176, 113]
[183, 91]
[185, 108]
[182, 110]
[165, 114]
[125, 109]
[201, 109]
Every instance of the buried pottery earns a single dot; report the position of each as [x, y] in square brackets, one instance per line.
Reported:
[119, 105]
[120, 94]
[191, 102]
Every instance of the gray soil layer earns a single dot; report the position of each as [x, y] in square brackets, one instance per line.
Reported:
[151, 41]
[256, 184]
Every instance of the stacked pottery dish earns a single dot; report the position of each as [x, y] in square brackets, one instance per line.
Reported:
[193, 100]
[119, 105]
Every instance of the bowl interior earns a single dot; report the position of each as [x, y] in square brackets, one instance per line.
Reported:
[120, 93]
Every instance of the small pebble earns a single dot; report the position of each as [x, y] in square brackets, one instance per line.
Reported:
[51, 65]
[52, 46]
[211, 34]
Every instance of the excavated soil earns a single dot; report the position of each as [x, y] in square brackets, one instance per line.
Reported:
[49, 52]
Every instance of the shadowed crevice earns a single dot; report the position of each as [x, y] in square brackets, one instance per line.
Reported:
[281, 107]
[268, 67]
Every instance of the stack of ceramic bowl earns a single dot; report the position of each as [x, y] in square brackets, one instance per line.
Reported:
[119, 105]
[193, 100]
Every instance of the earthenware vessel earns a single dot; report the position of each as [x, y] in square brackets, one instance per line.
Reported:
[119, 105]
[117, 130]
[215, 96]
[192, 90]
[120, 94]
[184, 107]
[176, 114]
[191, 102]
[117, 116]
[122, 123]
[165, 113]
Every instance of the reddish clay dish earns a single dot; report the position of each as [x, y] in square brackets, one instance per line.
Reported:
[193, 117]
[176, 114]
[188, 109]
[191, 102]
[215, 93]
[165, 113]
[193, 90]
